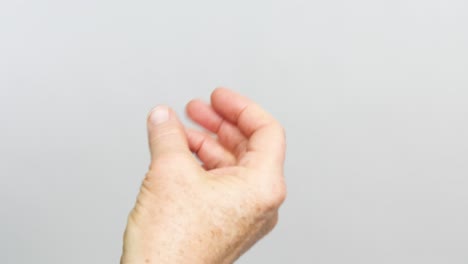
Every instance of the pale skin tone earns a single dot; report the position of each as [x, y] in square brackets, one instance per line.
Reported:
[207, 213]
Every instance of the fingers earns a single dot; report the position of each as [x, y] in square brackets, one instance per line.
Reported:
[247, 134]
[266, 138]
[203, 114]
[228, 134]
[166, 136]
[210, 152]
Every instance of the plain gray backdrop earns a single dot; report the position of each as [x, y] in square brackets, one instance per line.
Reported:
[373, 96]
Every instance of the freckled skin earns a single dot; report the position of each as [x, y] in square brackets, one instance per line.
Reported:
[213, 212]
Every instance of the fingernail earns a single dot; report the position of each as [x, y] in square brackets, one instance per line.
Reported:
[159, 115]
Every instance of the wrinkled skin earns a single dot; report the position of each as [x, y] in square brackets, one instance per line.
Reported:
[213, 212]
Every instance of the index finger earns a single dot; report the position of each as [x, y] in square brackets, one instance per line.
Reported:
[267, 144]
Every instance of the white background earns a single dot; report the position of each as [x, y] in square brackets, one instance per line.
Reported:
[373, 95]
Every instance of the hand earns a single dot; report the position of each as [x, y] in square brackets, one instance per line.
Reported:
[213, 212]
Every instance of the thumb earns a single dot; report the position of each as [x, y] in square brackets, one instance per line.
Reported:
[166, 135]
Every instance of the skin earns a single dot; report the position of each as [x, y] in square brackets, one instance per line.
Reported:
[213, 206]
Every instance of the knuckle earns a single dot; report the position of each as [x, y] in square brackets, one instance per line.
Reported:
[174, 158]
[169, 162]
[271, 197]
[280, 128]
[165, 132]
[273, 221]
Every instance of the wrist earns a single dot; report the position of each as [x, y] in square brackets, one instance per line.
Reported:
[153, 245]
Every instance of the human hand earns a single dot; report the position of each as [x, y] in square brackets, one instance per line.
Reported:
[188, 213]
